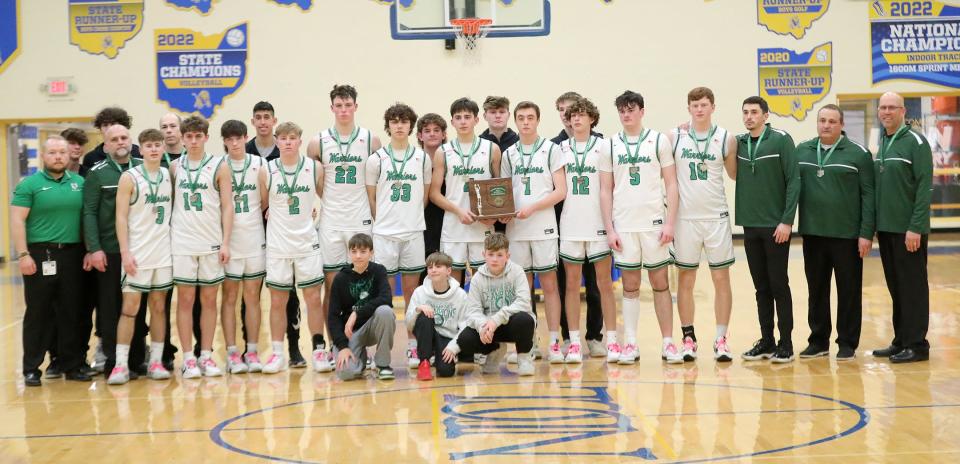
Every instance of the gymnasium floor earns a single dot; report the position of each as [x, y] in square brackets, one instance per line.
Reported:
[809, 411]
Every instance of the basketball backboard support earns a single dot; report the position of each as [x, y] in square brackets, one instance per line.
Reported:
[430, 19]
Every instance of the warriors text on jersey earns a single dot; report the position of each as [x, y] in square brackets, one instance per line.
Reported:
[344, 202]
[197, 227]
[532, 169]
[462, 164]
[292, 195]
[699, 159]
[148, 222]
[638, 186]
[581, 219]
[399, 178]
[247, 239]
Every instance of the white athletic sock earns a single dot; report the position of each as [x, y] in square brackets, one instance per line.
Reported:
[611, 337]
[721, 331]
[251, 347]
[231, 349]
[667, 340]
[277, 348]
[554, 337]
[123, 352]
[631, 316]
[574, 337]
[156, 352]
[204, 354]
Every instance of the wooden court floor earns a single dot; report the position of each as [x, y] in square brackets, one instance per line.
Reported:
[816, 411]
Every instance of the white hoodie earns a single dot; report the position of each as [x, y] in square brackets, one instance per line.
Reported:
[449, 308]
[497, 297]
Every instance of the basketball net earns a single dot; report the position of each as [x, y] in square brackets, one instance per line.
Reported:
[469, 31]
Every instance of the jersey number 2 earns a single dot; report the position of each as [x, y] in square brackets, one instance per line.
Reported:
[581, 185]
[346, 175]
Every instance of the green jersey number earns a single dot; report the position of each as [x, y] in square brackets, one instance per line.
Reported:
[526, 185]
[697, 173]
[581, 185]
[241, 204]
[400, 192]
[293, 205]
[634, 177]
[196, 201]
[161, 214]
[346, 175]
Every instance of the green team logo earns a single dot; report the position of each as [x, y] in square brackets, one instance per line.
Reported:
[498, 195]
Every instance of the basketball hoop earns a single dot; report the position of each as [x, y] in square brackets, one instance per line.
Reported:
[469, 31]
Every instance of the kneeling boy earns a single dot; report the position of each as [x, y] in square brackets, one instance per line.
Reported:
[436, 314]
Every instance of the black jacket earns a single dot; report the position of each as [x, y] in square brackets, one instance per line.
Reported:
[360, 293]
[252, 149]
[97, 155]
[506, 140]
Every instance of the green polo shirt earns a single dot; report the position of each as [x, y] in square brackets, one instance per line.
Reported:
[768, 182]
[56, 207]
[840, 203]
[100, 205]
[905, 184]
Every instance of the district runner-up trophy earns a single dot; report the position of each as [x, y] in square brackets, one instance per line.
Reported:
[491, 198]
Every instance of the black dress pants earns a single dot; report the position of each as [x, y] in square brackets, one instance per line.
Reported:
[906, 276]
[768, 268]
[54, 304]
[824, 257]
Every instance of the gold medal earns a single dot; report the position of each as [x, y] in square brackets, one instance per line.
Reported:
[237, 198]
[195, 198]
[290, 201]
[396, 185]
[702, 167]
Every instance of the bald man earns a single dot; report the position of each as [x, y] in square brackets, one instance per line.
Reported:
[103, 248]
[172, 138]
[904, 174]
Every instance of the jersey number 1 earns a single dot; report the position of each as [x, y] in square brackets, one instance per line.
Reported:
[241, 204]
[581, 185]
[197, 201]
[696, 173]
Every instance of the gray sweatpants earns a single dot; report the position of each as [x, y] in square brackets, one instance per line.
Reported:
[378, 330]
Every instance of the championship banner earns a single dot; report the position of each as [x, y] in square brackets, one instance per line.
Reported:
[793, 82]
[9, 32]
[790, 17]
[196, 72]
[103, 27]
[203, 6]
[303, 4]
[916, 40]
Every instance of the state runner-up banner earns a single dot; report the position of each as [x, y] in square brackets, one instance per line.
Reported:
[103, 27]
[916, 40]
[790, 17]
[196, 72]
[792, 82]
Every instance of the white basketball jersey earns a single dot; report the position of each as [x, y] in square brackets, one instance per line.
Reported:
[700, 174]
[247, 239]
[532, 172]
[400, 189]
[197, 227]
[638, 192]
[148, 223]
[293, 194]
[344, 204]
[461, 166]
[581, 219]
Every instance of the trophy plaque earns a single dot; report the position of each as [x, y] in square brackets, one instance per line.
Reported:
[491, 198]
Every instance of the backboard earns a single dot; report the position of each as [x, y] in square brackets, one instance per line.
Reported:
[430, 19]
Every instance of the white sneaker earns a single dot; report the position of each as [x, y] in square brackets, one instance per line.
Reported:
[190, 370]
[596, 348]
[613, 352]
[413, 360]
[525, 365]
[274, 364]
[555, 356]
[512, 357]
[209, 368]
[721, 351]
[535, 351]
[119, 376]
[156, 371]
[235, 364]
[252, 360]
[99, 358]
[628, 355]
[491, 365]
[573, 354]
[689, 351]
[322, 361]
[672, 356]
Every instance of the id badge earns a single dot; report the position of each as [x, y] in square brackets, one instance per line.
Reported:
[49, 268]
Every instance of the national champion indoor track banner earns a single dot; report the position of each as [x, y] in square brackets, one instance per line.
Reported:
[792, 82]
[103, 27]
[790, 17]
[196, 72]
[915, 40]
[9, 32]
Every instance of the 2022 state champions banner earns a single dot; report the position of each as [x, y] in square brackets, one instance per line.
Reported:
[9, 32]
[790, 17]
[196, 72]
[792, 82]
[103, 27]
[915, 40]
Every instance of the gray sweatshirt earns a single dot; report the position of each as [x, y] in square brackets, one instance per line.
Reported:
[449, 308]
[497, 297]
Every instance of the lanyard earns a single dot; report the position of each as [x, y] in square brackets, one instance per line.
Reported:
[525, 167]
[696, 144]
[246, 164]
[353, 137]
[822, 161]
[192, 182]
[283, 175]
[166, 156]
[152, 187]
[883, 150]
[580, 158]
[752, 150]
[119, 169]
[406, 157]
[475, 146]
[626, 141]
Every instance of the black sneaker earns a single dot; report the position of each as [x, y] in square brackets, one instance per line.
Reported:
[32, 379]
[784, 354]
[296, 359]
[761, 350]
[813, 352]
[385, 373]
[846, 354]
[886, 352]
[53, 372]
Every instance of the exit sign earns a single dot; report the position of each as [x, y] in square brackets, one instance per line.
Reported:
[58, 87]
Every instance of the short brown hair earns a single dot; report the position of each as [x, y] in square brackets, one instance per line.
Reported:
[566, 96]
[698, 93]
[496, 241]
[195, 124]
[584, 105]
[439, 258]
[494, 102]
[74, 135]
[150, 135]
[435, 119]
[360, 242]
[464, 105]
[288, 128]
[831, 106]
[344, 92]
[526, 105]
[401, 112]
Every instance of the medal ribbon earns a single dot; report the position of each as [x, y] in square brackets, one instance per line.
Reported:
[822, 161]
[283, 175]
